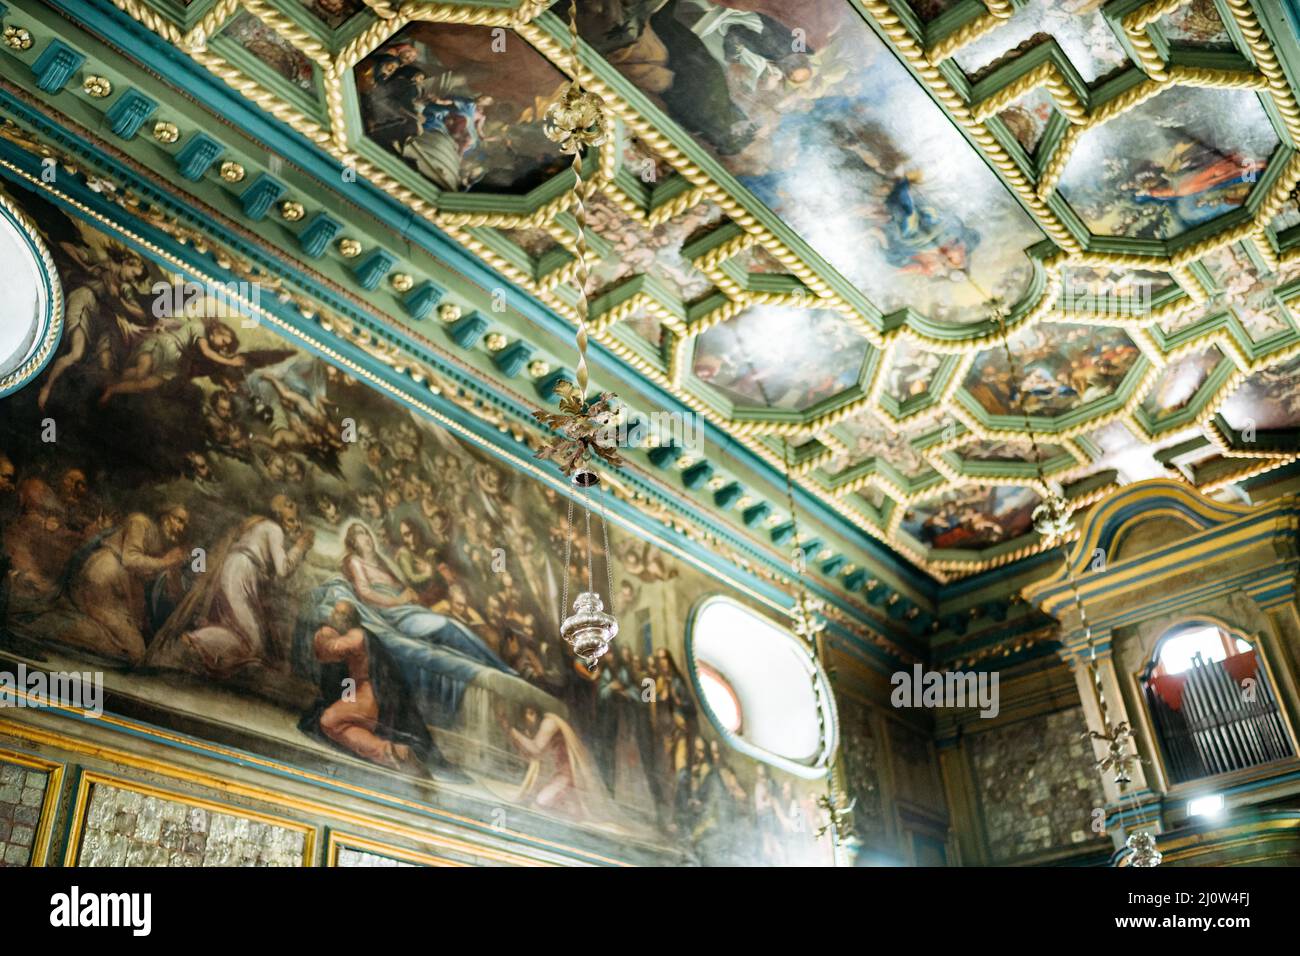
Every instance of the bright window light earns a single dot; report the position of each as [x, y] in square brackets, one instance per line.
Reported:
[757, 682]
[1176, 654]
[1207, 806]
[24, 297]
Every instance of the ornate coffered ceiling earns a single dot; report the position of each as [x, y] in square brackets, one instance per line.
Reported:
[803, 217]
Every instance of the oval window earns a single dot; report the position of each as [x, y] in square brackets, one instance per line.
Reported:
[760, 687]
[28, 296]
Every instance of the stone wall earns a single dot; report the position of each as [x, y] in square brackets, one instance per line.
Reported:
[126, 828]
[1035, 783]
[350, 857]
[22, 791]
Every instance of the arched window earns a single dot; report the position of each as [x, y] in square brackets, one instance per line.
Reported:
[756, 682]
[28, 331]
[1211, 703]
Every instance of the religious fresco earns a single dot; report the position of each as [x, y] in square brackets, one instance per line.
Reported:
[911, 371]
[1107, 291]
[1027, 118]
[462, 108]
[1196, 25]
[927, 10]
[774, 357]
[270, 48]
[849, 143]
[972, 517]
[867, 437]
[1247, 290]
[644, 325]
[534, 242]
[1181, 158]
[1004, 452]
[1179, 383]
[1077, 26]
[333, 13]
[809, 109]
[757, 259]
[342, 537]
[639, 249]
[1061, 368]
[1267, 401]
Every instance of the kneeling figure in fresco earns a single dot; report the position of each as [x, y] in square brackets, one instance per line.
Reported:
[369, 714]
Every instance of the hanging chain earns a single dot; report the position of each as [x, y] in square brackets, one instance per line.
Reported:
[591, 574]
[583, 275]
[568, 548]
[604, 531]
[583, 271]
[809, 627]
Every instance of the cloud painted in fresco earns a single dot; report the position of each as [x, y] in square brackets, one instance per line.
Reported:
[838, 140]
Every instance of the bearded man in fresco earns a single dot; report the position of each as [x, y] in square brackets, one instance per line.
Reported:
[375, 720]
[109, 588]
[235, 631]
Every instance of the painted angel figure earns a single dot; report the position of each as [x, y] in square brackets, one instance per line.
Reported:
[103, 315]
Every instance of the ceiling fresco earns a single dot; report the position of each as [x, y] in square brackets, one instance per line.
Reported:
[809, 213]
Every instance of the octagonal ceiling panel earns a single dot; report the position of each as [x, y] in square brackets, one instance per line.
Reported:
[837, 139]
[1182, 158]
[1060, 369]
[458, 110]
[779, 358]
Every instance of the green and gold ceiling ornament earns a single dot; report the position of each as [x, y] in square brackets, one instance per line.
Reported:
[576, 123]
[1053, 521]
